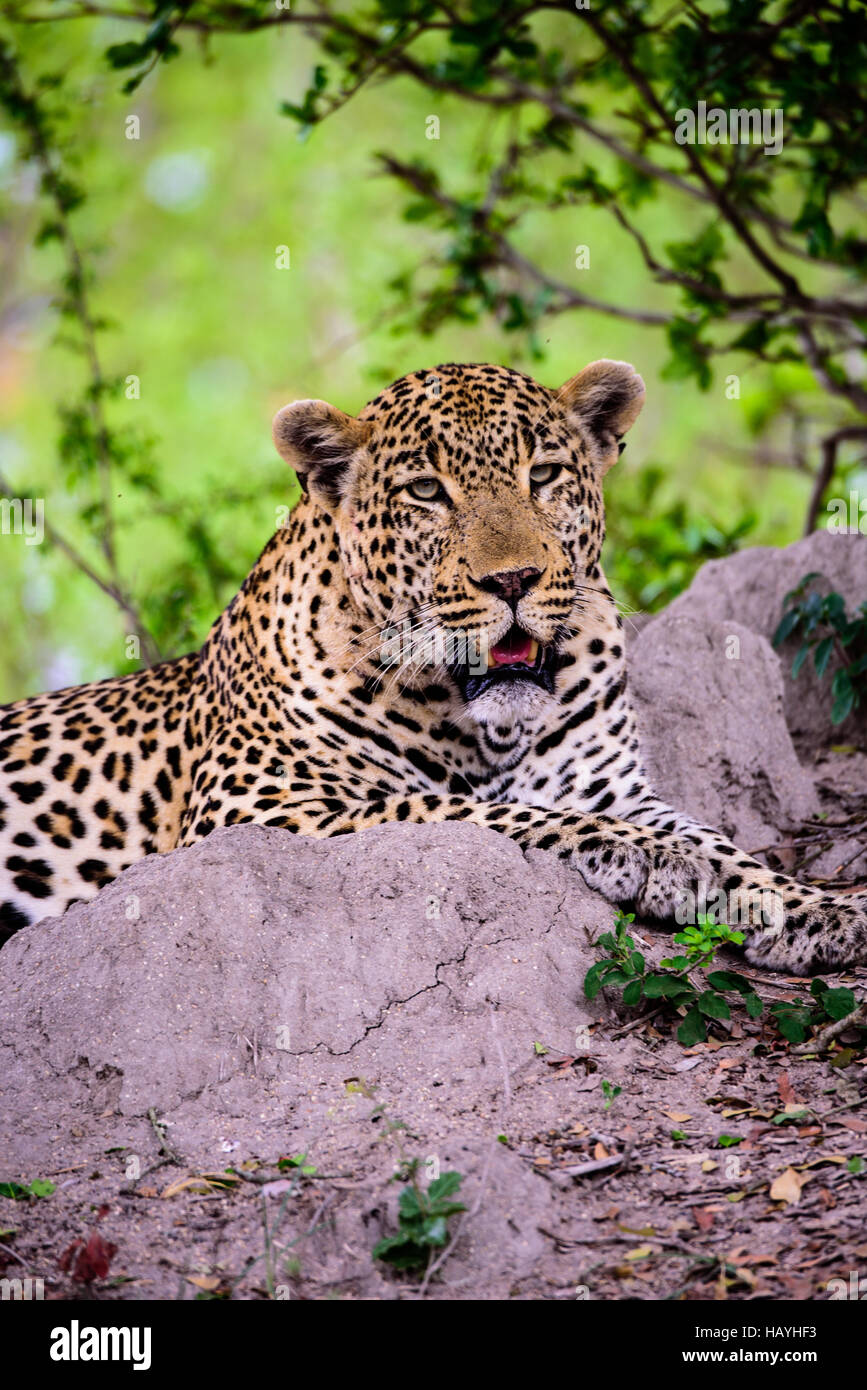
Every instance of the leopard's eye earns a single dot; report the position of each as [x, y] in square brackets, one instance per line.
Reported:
[426, 489]
[542, 473]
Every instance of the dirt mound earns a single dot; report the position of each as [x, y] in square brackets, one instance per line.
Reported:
[386, 951]
[264, 993]
[710, 708]
[317, 1016]
[749, 588]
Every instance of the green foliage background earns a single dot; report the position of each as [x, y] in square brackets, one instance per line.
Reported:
[220, 338]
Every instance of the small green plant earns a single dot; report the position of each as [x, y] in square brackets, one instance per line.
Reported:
[422, 1222]
[39, 1187]
[297, 1161]
[610, 1092]
[624, 967]
[794, 1020]
[825, 629]
[700, 1001]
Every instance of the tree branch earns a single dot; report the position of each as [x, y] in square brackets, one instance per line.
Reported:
[823, 478]
[107, 586]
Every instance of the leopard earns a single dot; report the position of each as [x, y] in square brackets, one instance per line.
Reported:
[428, 636]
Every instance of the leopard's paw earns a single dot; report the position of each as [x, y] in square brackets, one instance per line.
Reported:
[655, 881]
[676, 884]
[821, 933]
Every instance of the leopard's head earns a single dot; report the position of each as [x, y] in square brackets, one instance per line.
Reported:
[468, 504]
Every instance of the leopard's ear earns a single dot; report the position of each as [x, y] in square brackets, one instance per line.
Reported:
[606, 398]
[320, 443]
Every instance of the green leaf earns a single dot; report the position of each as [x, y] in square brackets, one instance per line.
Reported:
[729, 979]
[664, 986]
[409, 1204]
[126, 55]
[841, 682]
[400, 1251]
[593, 980]
[786, 627]
[791, 1025]
[813, 220]
[754, 338]
[713, 1005]
[417, 212]
[837, 1003]
[446, 1185]
[632, 993]
[692, 1029]
[14, 1190]
[822, 655]
[435, 1231]
[753, 1005]
[617, 977]
[843, 705]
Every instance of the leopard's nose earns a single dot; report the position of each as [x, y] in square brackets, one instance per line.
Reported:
[510, 585]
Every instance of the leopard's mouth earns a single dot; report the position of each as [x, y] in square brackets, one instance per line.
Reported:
[516, 657]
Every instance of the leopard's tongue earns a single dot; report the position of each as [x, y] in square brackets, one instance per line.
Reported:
[515, 647]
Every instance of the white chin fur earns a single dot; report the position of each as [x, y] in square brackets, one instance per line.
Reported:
[514, 703]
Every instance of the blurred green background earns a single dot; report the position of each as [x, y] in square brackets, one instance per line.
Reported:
[185, 223]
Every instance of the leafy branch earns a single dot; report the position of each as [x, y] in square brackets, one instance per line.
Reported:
[825, 629]
[675, 985]
[674, 982]
[785, 224]
[87, 442]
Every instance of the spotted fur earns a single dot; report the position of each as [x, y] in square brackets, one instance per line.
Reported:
[289, 716]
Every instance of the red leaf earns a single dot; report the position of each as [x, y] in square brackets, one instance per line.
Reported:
[90, 1261]
[66, 1258]
[703, 1218]
[93, 1261]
